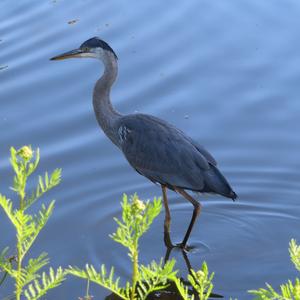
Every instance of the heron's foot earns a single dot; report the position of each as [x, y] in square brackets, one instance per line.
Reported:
[184, 247]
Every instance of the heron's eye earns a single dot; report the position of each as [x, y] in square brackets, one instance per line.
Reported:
[85, 49]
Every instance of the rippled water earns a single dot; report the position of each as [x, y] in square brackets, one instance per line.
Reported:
[225, 72]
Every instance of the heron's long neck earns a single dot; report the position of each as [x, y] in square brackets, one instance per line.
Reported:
[106, 115]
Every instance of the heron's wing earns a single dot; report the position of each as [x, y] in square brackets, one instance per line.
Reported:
[203, 151]
[163, 153]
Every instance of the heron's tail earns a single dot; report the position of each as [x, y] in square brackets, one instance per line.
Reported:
[215, 182]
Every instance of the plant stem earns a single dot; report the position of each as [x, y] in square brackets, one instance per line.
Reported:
[19, 263]
[22, 190]
[19, 245]
[135, 269]
[18, 278]
[87, 289]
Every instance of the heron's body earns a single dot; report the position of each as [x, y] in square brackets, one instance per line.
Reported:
[169, 157]
[153, 147]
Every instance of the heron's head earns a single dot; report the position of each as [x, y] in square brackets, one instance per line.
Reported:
[94, 48]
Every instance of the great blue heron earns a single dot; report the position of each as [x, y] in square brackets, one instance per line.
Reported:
[153, 147]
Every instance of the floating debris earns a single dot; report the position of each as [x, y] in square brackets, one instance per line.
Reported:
[86, 298]
[71, 22]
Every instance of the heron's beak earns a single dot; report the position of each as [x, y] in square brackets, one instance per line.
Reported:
[69, 54]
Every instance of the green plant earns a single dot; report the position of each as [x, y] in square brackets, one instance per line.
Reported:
[201, 282]
[137, 216]
[28, 281]
[288, 291]
[295, 254]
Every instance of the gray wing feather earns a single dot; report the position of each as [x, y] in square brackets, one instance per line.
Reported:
[163, 153]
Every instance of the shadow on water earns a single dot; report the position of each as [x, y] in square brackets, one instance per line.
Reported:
[171, 292]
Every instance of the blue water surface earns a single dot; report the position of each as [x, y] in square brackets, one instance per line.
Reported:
[225, 72]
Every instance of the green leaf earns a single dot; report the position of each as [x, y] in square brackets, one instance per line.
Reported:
[182, 289]
[32, 166]
[14, 160]
[154, 277]
[295, 254]
[34, 225]
[288, 291]
[7, 206]
[137, 216]
[28, 226]
[33, 266]
[103, 279]
[202, 281]
[44, 185]
[40, 287]
[5, 263]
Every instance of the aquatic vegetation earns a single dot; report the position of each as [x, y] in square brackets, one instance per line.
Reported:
[137, 216]
[201, 281]
[289, 290]
[28, 282]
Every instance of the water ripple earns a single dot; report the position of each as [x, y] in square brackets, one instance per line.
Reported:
[224, 72]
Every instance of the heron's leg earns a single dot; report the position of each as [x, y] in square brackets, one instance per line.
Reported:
[167, 210]
[187, 262]
[196, 212]
[167, 255]
[167, 221]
